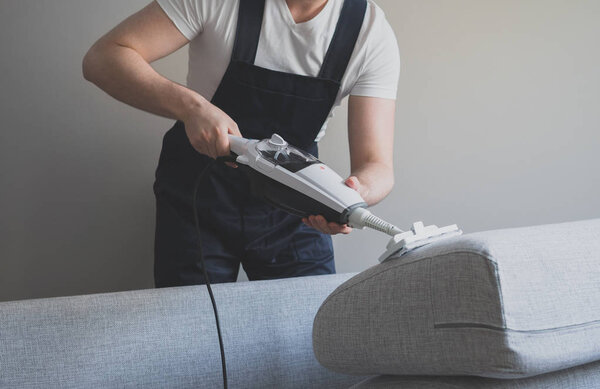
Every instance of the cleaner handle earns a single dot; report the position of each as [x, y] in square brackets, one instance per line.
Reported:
[237, 144]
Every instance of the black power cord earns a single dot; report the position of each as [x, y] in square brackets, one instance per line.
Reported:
[206, 279]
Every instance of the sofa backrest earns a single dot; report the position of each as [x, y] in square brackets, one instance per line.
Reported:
[166, 338]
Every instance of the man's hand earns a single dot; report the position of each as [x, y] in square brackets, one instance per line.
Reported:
[207, 128]
[318, 222]
[119, 63]
[371, 139]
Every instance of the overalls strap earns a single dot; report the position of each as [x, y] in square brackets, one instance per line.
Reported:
[250, 16]
[344, 39]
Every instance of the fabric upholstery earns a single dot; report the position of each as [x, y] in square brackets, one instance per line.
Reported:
[579, 377]
[507, 304]
[166, 338]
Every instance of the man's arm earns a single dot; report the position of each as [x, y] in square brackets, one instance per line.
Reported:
[371, 139]
[119, 63]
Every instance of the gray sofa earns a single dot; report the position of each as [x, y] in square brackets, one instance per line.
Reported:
[517, 308]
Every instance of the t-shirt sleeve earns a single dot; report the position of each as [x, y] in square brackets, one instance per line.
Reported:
[185, 14]
[380, 71]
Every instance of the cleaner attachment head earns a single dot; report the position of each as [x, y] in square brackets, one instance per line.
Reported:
[402, 242]
[419, 235]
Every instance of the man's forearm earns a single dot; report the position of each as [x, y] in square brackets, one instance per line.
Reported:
[122, 73]
[376, 181]
[119, 63]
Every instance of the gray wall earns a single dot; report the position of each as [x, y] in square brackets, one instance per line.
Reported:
[498, 126]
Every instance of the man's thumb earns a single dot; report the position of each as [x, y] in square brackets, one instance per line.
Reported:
[352, 182]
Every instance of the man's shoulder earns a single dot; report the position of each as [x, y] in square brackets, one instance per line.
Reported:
[217, 10]
[375, 20]
[193, 16]
[379, 56]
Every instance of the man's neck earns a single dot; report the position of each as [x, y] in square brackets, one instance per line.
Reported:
[304, 10]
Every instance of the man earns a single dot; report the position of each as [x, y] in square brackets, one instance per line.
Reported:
[256, 67]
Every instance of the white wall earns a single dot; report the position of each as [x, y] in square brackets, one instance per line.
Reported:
[498, 118]
[498, 126]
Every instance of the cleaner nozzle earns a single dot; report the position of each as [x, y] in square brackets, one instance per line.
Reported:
[419, 235]
[402, 241]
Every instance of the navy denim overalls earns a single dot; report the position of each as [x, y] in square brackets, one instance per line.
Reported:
[235, 226]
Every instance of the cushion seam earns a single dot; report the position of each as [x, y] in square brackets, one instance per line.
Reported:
[499, 289]
[449, 325]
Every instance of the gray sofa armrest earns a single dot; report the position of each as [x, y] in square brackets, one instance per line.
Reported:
[166, 338]
[510, 303]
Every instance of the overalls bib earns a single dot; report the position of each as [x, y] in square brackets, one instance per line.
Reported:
[236, 226]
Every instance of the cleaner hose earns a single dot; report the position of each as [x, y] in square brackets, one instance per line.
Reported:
[361, 218]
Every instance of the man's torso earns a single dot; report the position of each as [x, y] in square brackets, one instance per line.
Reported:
[284, 45]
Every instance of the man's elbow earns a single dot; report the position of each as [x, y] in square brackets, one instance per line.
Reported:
[390, 185]
[90, 64]
[389, 180]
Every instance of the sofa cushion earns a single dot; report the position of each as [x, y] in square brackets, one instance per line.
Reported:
[579, 377]
[506, 303]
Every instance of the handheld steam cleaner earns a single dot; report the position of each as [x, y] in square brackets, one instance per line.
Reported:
[297, 182]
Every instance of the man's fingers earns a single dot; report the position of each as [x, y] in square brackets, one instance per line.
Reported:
[222, 144]
[307, 222]
[311, 222]
[212, 150]
[353, 182]
[340, 229]
[322, 224]
[319, 223]
[234, 130]
[203, 143]
[203, 149]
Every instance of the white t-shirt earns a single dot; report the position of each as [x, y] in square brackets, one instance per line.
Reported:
[286, 46]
